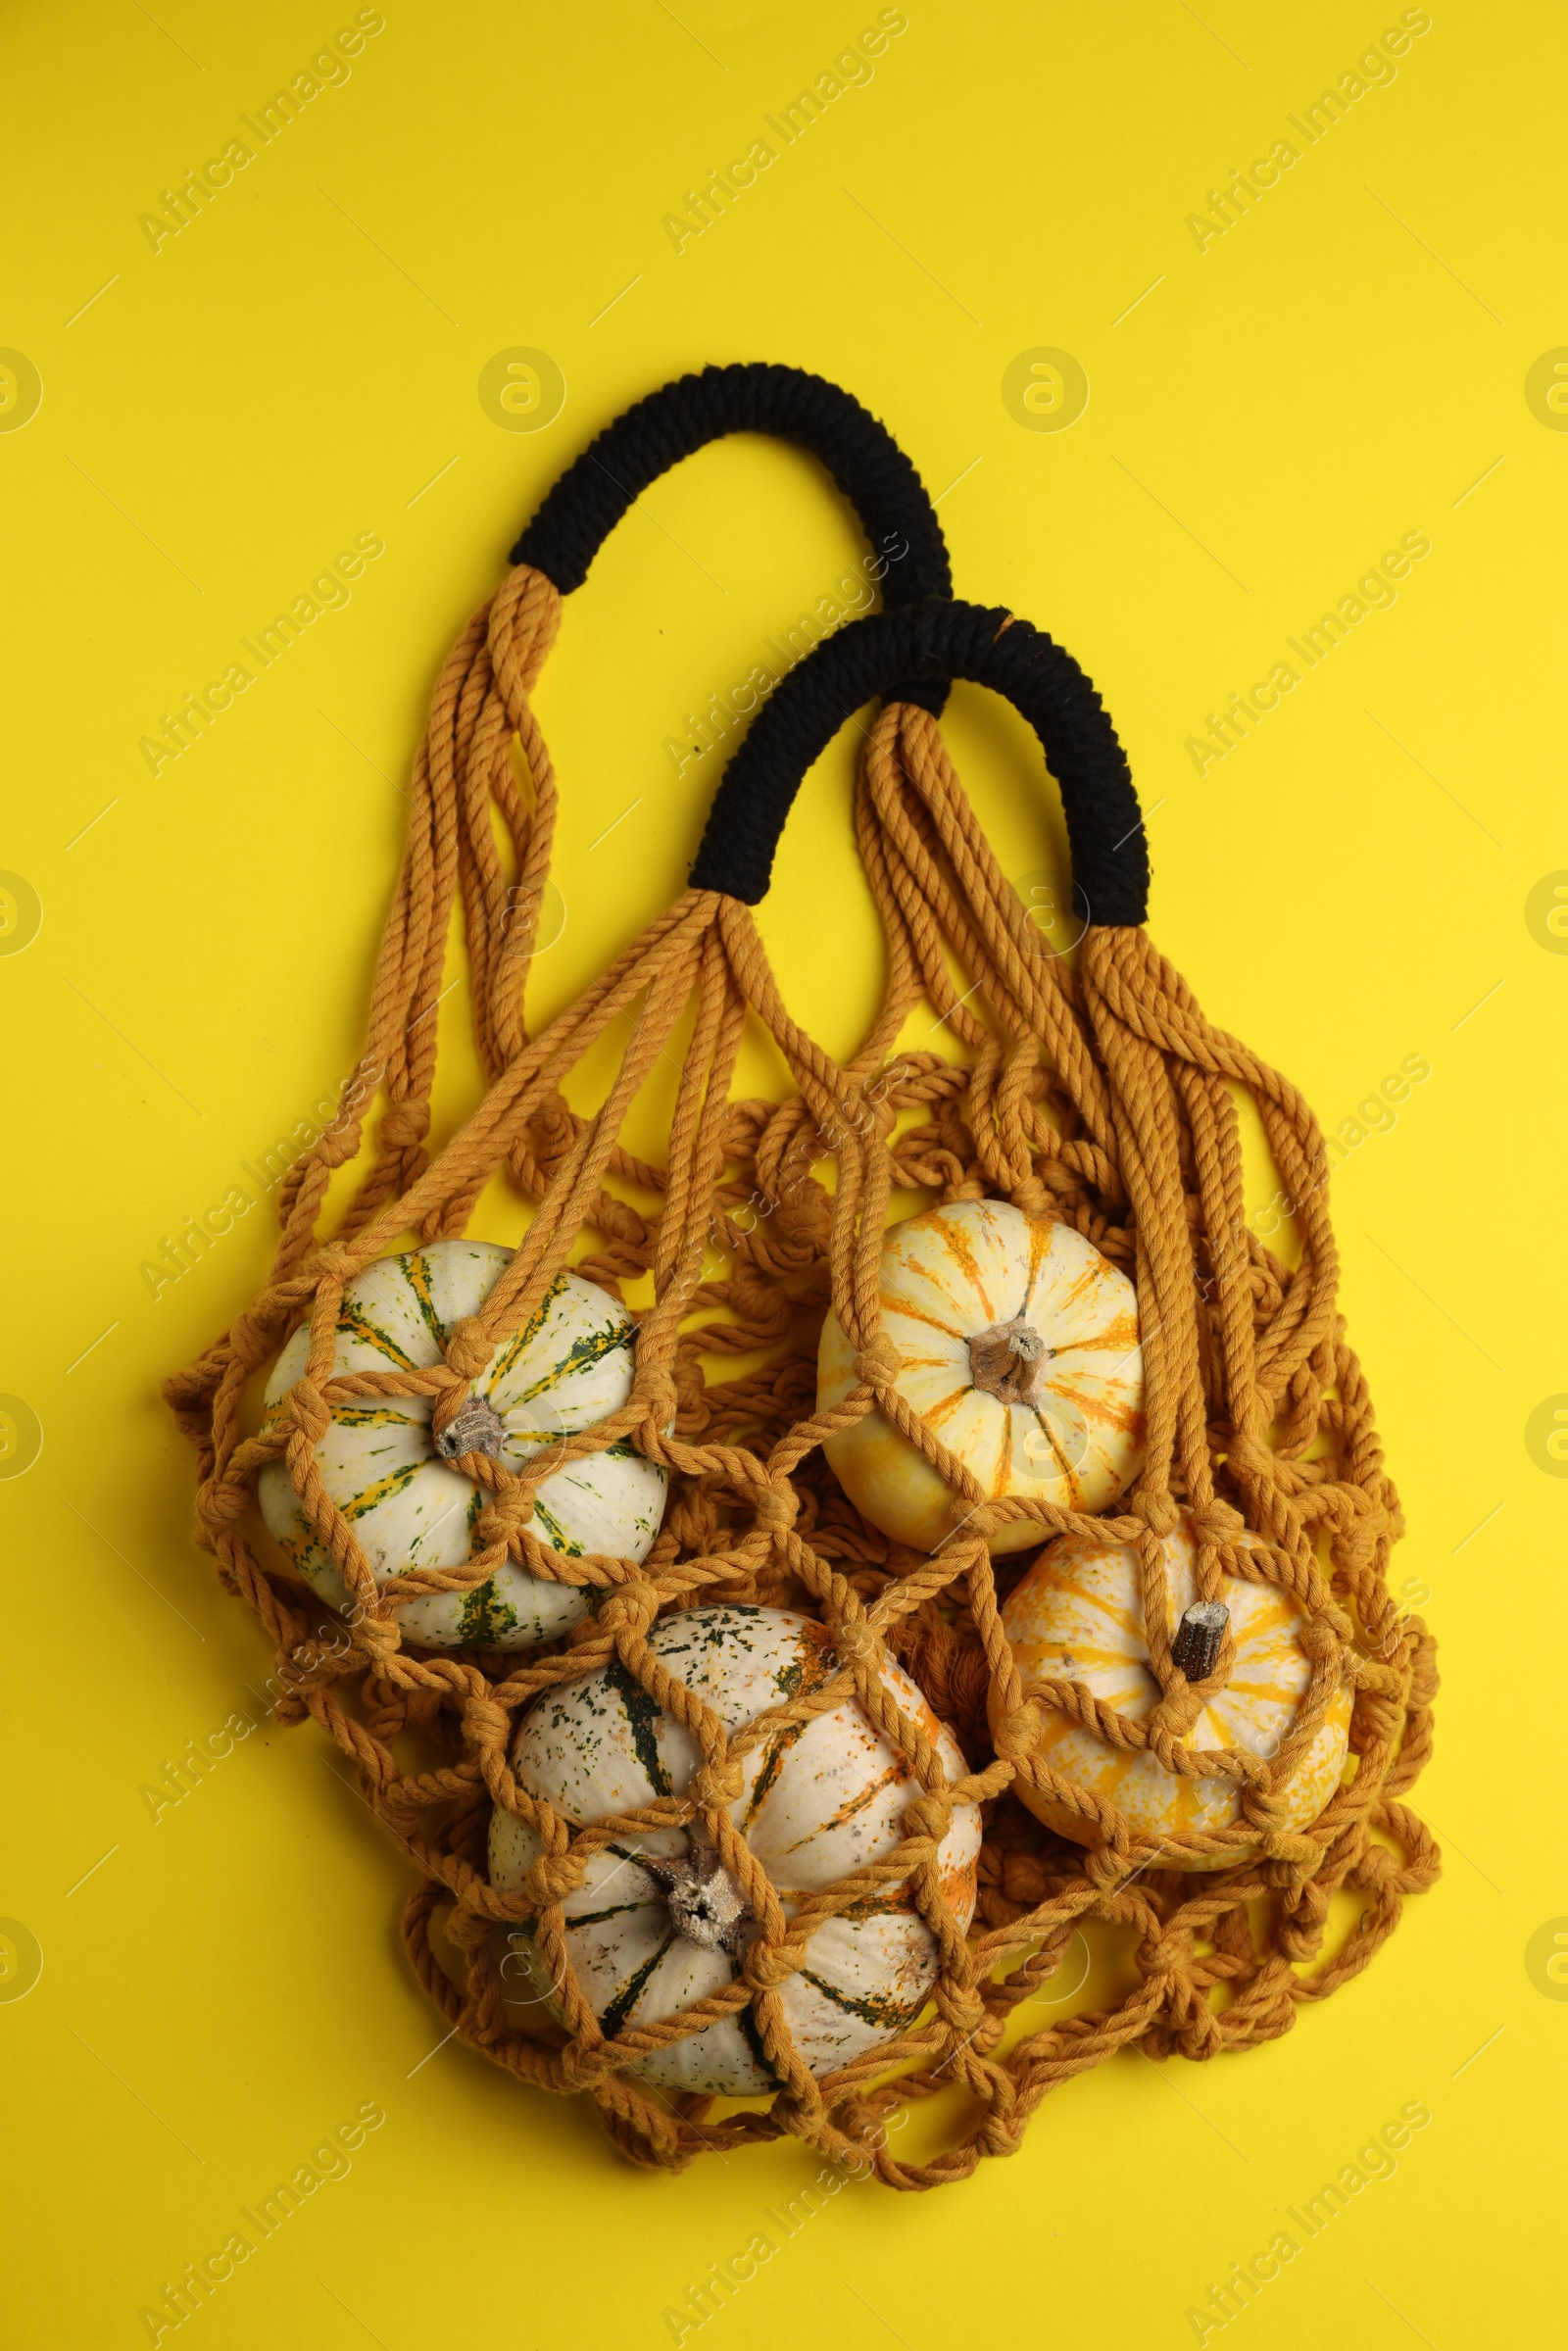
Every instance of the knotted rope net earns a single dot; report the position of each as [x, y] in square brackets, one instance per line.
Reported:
[1099, 1096]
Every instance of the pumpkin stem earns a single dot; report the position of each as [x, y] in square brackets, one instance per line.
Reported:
[706, 1905]
[476, 1427]
[1200, 1638]
[1009, 1360]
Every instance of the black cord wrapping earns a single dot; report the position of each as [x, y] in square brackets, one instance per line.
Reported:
[860, 662]
[865, 460]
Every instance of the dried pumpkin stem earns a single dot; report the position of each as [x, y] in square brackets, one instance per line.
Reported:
[1009, 1360]
[476, 1427]
[706, 1905]
[1200, 1638]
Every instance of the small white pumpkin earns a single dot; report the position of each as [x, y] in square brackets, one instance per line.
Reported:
[408, 1507]
[1077, 1616]
[657, 1924]
[1019, 1347]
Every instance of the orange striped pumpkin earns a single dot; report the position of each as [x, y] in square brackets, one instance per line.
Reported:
[1077, 1616]
[1019, 1347]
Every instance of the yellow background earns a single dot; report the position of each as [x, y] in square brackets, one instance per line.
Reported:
[1346, 889]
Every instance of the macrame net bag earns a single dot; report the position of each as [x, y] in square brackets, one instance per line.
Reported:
[1101, 1100]
[1105, 1099]
[481, 832]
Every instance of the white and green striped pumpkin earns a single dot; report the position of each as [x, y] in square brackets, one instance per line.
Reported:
[408, 1507]
[656, 1924]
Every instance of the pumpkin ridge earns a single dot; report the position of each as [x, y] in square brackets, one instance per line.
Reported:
[394, 1482]
[938, 1282]
[912, 1313]
[642, 1714]
[614, 1910]
[1004, 1476]
[1062, 1462]
[559, 1539]
[894, 1775]
[959, 1247]
[888, 1901]
[633, 1854]
[541, 1313]
[1045, 1573]
[1123, 1333]
[882, 2011]
[1083, 1652]
[379, 1416]
[583, 1354]
[1185, 1800]
[812, 1667]
[612, 2019]
[521, 1341]
[1041, 1239]
[352, 1323]
[779, 1746]
[1104, 1412]
[416, 1274]
[511, 1349]
[483, 1613]
[937, 1413]
[502, 1361]
[1082, 1286]
[464, 1502]
[751, 2033]
[1271, 1618]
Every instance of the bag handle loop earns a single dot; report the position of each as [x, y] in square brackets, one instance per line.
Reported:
[942, 640]
[789, 403]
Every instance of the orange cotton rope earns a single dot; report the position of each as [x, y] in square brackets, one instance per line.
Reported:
[1101, 1097]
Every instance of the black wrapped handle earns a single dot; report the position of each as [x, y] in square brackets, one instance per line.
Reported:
[939, 640]
[859, 453]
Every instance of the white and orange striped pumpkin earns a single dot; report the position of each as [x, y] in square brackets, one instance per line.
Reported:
[656, 1924]
[409, 1507]
[1019, 1347]
[1077, 1616]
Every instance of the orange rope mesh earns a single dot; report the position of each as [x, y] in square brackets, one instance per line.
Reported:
[1101, 1097]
